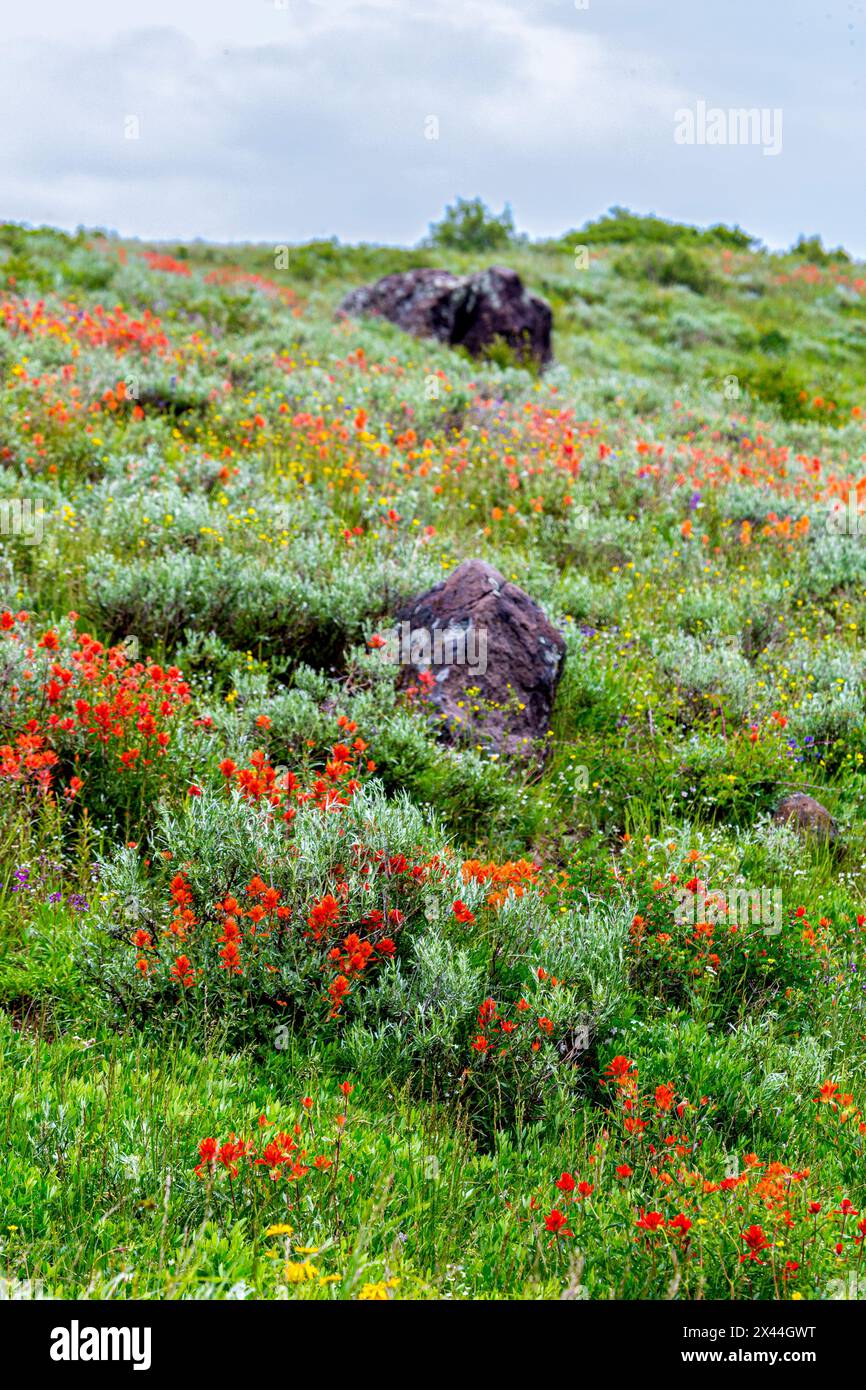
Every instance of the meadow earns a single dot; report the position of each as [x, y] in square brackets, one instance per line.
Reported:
[299, 1001]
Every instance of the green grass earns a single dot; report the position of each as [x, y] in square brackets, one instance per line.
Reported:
[248, 490]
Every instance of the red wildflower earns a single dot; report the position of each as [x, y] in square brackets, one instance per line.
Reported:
[650, 1220]
[755, 1241]
[664, 1097]
[182, 971]
[557, 1223]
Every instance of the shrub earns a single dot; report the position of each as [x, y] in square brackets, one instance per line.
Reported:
[469, 225]
[666, 266]
[619, 225]
[281, 909]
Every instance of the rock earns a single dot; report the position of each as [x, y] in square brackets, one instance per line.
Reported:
[484, 657]
[808, 816]
[494, 304]
[472, 311]
[418, 301]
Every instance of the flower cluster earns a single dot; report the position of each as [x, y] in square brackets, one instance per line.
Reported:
[683, 934]
[285, 1156]
[501, 1032]
[644, 1178]
[509, 879]
[284, 789]
[72, 325]
[317, 948]
[68, 699]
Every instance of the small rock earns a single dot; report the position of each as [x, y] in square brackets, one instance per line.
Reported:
[808, 816]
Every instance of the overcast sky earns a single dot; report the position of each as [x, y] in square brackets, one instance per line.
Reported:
[282, 120]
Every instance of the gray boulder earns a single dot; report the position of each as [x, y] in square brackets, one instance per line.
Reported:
[471, 311]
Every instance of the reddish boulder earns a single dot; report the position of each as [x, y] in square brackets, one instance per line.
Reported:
[473, 311]
[484, 658]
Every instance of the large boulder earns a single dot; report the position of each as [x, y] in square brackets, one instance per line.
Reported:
[808, 816]
[472, 311]
[484, 658]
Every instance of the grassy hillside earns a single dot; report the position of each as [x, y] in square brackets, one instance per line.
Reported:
[296, 999]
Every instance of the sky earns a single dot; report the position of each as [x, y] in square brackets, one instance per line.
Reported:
[285, 120]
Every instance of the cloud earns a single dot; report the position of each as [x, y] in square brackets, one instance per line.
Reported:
[285, 123]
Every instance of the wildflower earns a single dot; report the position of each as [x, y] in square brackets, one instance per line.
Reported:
[379, 1292]
[183, 972]
[557, 1223]
[681, 1223]
[650, 1220]
[826, 1094]
[231, 960]
[323, 915]
[664, 1097]
[462, 912]
[619, 1067]
[337, 990]
[207, 1150]
[228, 1154]
[755, 1241]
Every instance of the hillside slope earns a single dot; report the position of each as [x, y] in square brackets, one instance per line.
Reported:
[458, 1005]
